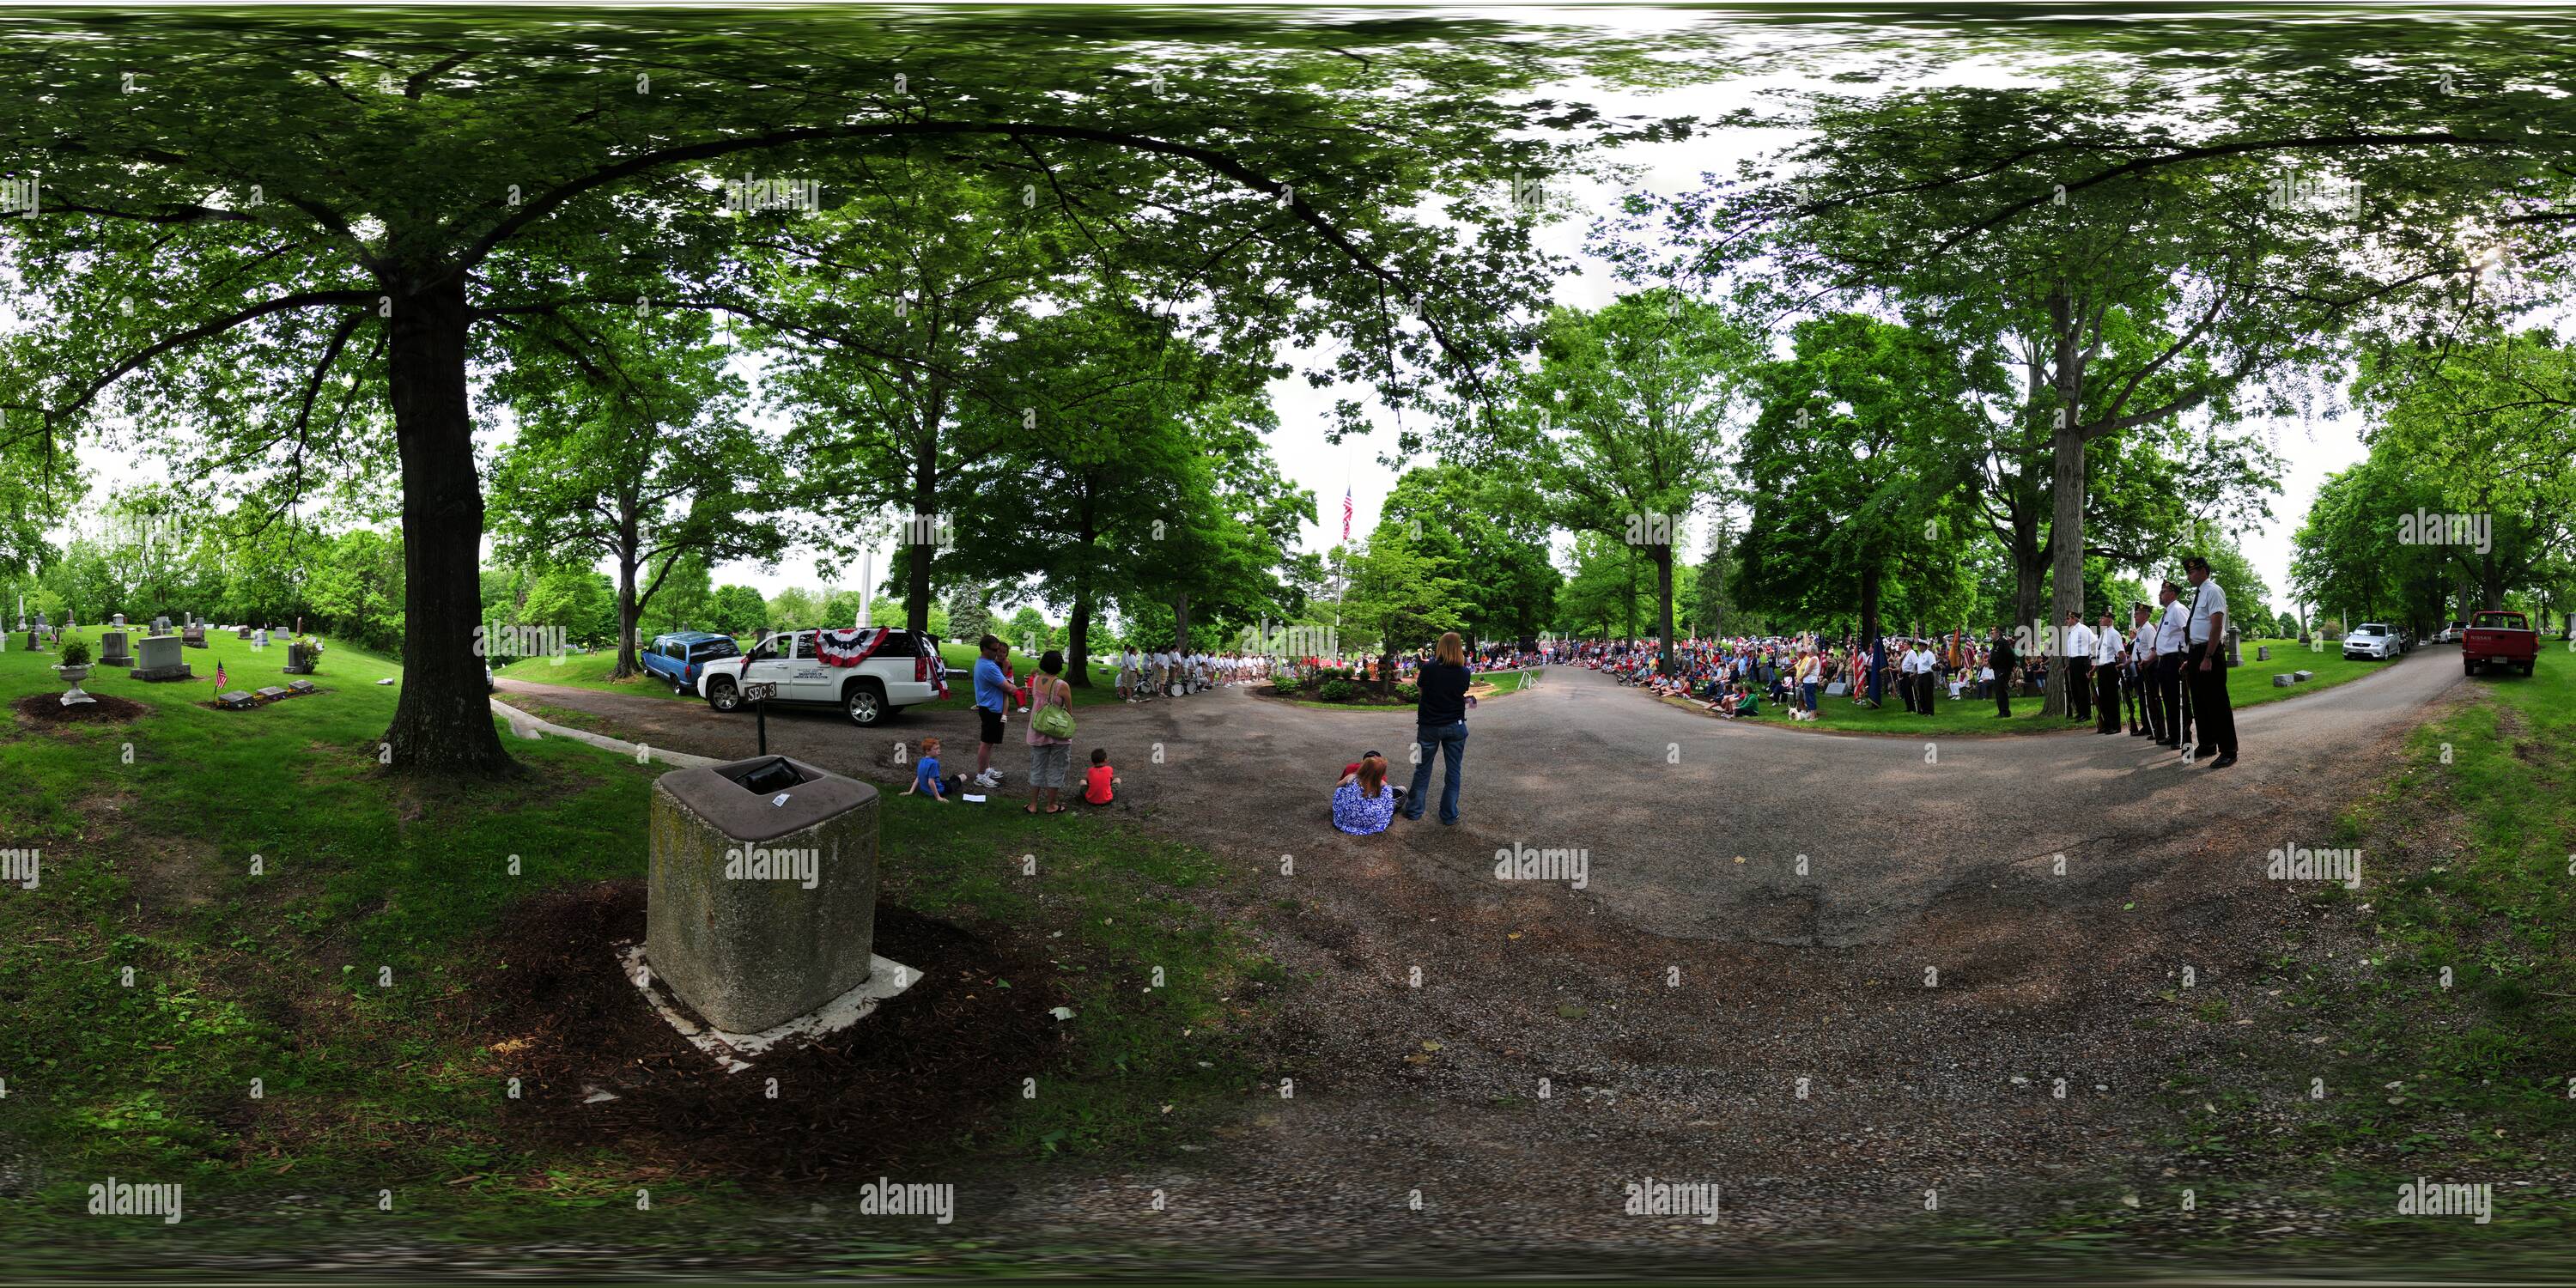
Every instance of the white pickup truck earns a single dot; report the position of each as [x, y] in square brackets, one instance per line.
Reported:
[870, 673]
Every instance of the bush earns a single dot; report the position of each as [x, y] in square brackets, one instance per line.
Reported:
[1287, 684]
[1338, 690]
[1408, 692]
[76, 653]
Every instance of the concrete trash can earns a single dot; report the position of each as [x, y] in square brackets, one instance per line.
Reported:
[761, 903]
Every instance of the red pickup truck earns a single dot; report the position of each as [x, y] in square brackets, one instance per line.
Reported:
[2498, 638]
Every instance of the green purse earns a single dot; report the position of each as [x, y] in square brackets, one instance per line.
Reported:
[1053, 721]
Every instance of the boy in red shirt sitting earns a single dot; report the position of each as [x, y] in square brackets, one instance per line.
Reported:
[1098, 779]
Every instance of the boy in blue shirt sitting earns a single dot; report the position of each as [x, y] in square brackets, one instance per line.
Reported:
[925, 774]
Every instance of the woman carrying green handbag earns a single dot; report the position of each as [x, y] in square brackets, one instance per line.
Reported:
[1050, 734]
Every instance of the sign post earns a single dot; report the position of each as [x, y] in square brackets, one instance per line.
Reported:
[758, 695]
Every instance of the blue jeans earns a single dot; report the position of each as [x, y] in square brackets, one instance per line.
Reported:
[1448, 742]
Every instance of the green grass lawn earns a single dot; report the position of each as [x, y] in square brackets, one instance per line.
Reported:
[148, 834]
[2247, 685]
[2468, 855]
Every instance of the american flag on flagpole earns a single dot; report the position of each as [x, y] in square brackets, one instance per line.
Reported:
[1346, 514]
[219, 675]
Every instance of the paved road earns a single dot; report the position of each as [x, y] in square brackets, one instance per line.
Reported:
[1675, 1000]
[1664, 800]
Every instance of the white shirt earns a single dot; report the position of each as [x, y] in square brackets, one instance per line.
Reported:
[2106, 650]
[2169, 629]
[2207, 598]
[2144, 642]
[2079, 641]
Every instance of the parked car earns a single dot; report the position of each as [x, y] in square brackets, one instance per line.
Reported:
[679, 658]
[2449, 634]
[903, 670]
[2370, 640]
[2499, 639]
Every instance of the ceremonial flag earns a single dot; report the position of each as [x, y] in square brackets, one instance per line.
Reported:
[219, 675]
[1346, 514]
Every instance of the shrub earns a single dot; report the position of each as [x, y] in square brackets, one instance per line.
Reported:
[1338, 690]
[1287, 684]
[1409, 692]
[76, 653]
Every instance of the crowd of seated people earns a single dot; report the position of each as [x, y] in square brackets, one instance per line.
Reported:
[1795, 673]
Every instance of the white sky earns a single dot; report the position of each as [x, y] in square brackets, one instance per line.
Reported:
[2310, 450]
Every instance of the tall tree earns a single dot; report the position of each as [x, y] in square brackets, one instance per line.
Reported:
[1628, 406]
[632, 449]
[1848, 466]
[421, 183]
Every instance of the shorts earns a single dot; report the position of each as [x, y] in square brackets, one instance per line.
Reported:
[992, 724]
[1047, 764]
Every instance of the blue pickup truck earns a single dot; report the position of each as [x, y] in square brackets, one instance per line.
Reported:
[679, 659]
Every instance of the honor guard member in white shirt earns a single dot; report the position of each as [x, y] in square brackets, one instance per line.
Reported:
[1927, 673]
[2207, 663]
[2172, 626]
[1909, 671]
[2142, 671]
[2108, 648]
[2076, 653]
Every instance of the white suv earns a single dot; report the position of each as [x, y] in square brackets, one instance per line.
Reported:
[900, 669]
[2370, 640]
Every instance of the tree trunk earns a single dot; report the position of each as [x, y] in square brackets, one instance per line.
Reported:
[1632, 595]
[1181, 622]
[443, 719]
[2066, 511]
[925, 501]
[629, 613]
[1663, 556]
[1870, 579]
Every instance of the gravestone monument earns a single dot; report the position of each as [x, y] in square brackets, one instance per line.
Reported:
[299, 660]
[111, 650]
[193, 637]
[158, 660]
[761, 902]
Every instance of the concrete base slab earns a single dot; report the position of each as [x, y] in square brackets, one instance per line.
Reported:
[734, 1051]
[162, 675]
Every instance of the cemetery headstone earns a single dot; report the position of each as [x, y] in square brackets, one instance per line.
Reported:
[241, 632]
[236, 700]
[2262, 652]
[272, 693]
[160, 625]
[2281, 681]
[158, 660]
[111, 650]
[2302, 676]
[117, 620]
[298, 660]
[300, 686]
[761, 902]
[194, 637]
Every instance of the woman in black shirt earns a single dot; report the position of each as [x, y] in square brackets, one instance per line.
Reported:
[1440, 727]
